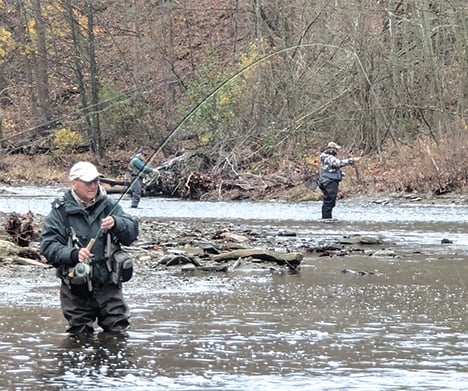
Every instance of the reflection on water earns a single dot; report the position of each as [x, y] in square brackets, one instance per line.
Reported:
[403, 327]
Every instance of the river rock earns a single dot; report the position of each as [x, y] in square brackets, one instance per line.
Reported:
[384, 253]
[358, 272]
[360, 239]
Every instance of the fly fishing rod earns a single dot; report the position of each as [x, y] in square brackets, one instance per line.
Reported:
[209, 96]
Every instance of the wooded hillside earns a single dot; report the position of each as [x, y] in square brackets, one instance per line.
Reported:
[252, 85]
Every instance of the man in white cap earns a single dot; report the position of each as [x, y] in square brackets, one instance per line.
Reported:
[330, 176]
[76, 239]
[84, 182]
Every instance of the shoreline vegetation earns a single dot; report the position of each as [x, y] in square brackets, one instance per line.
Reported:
[247, 98]
[409, 174]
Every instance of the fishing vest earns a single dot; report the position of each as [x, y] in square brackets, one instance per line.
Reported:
[131, 167]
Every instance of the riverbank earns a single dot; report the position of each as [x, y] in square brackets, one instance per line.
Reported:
[431, 177]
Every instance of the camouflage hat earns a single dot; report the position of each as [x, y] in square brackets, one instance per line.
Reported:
[331, 144]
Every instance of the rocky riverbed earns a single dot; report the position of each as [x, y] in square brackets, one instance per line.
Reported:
[193, 246]
[209, 246]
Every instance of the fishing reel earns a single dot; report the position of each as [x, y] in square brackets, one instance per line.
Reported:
[82, 269]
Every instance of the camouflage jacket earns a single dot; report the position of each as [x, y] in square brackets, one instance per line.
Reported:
[331, 166]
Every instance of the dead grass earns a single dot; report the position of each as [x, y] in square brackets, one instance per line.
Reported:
[424, 167]
[38, 169]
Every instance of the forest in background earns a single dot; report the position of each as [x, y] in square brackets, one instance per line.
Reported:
[254, 86]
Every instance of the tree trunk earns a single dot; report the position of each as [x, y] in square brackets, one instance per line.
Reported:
[94, 85]
[41, 71]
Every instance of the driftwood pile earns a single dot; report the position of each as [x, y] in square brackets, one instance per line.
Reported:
[201, 259]
[15, 241]
[171, 179]
[11, 253]
[222, 252]
[21, 230]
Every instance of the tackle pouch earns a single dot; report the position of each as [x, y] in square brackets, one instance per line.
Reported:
[119, 263]
[122, 267]
[322, 182]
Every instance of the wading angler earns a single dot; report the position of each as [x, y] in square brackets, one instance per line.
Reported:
[138, 170]
[82, 237]
[330, 176]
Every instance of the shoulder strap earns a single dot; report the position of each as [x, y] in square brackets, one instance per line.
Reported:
[59, 204]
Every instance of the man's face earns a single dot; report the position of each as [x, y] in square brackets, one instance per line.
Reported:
[87, 191]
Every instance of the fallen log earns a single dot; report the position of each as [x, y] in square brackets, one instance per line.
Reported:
[28, 262]
[16, 254]
[290, 259]
[225, 268]
[359, 239]
[116, 189]
[114, 182]
[115, 186]
[8, 248]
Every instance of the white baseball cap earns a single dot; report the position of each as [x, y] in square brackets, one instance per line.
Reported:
[331, 144]
[84, 171]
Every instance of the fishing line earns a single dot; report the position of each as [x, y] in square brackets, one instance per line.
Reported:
[209, 96]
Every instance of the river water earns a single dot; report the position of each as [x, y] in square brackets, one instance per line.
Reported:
[401, 327]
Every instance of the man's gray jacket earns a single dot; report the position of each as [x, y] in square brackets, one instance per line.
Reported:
[55, 234]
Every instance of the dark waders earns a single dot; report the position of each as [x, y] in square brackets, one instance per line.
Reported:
[105, 304]
[136, 190]
[330, 192]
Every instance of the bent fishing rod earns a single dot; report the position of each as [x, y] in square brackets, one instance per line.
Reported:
[204, 100]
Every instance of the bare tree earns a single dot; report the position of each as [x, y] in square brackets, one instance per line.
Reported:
[40, 60]
[93, 82]
[85, 64]
[293, 73]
